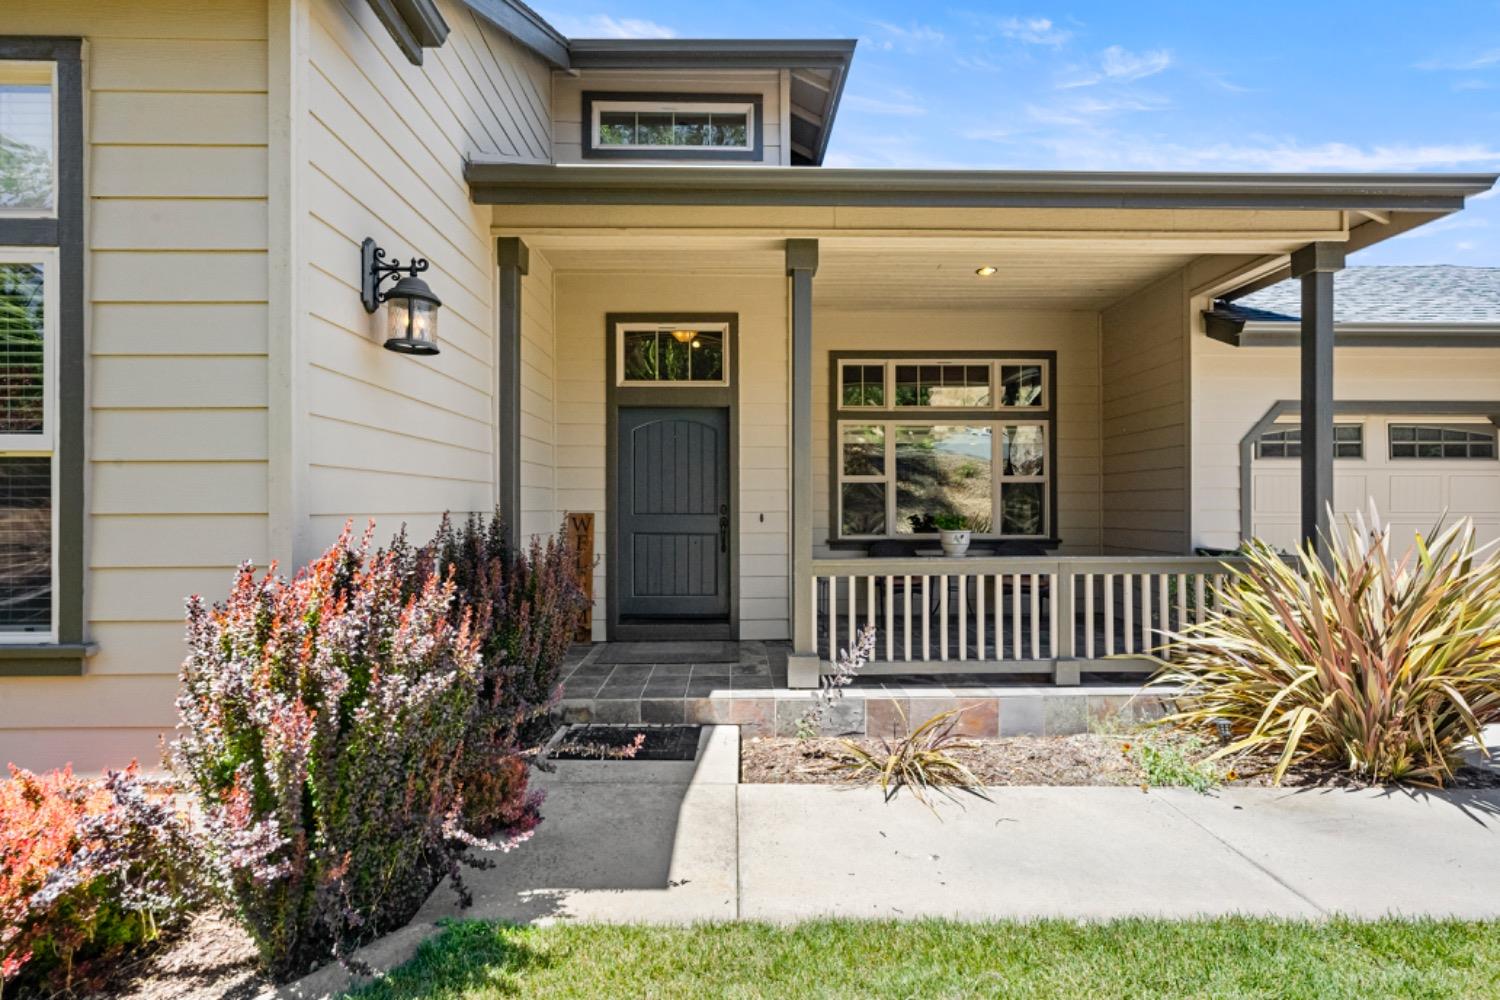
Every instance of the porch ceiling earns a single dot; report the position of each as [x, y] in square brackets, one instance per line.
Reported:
[855, 274]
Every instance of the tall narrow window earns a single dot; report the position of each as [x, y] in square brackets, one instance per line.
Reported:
[41, 356]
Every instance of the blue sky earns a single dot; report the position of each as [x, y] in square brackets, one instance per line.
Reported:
[1307, 86]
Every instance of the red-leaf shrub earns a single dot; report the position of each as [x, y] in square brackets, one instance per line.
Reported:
[322, 726]
[88, 869]
[527, 606]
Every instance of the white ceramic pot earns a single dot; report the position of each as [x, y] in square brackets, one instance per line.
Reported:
[955, 543]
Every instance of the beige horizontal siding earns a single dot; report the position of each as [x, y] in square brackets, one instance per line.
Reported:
[389, 437]
[1143, 341]
[177, 234]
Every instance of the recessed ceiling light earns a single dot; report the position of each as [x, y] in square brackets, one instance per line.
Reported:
[986, 271]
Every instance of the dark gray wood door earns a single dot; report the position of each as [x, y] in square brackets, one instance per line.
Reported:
[673, 502]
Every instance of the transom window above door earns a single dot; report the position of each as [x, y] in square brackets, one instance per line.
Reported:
[920, 440]
[667, 355]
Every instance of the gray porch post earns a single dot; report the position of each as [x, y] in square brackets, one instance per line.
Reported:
[801, 264]
[515, 262]
[1316, 264]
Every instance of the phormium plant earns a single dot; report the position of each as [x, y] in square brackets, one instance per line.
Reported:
[1377, 664]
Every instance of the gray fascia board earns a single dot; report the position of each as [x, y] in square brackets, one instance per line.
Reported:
[527, 27]
[717, 53]
[494, 182]
[1268, 334]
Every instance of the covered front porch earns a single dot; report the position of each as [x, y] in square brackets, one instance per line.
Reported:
[1038, 333]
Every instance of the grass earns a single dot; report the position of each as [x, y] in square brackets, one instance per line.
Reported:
[1232, 957]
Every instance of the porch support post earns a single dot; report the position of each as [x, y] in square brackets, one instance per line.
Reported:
[1316, 264]
[803, 667]
[515, 261]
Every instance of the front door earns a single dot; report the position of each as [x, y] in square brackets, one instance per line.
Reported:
[673, 503]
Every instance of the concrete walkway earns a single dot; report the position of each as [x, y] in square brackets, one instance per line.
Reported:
[628, 841]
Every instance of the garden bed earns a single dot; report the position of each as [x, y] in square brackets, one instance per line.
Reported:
[1083, 759]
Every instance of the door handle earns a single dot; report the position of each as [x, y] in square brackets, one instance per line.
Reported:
[724, 527]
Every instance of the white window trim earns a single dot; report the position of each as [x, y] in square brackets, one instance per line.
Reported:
[994, 364]
[890, 421]
[41, 445]
[685, 107]
[41, 213]
[621, 329]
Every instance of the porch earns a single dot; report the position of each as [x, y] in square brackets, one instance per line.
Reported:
[746, 684]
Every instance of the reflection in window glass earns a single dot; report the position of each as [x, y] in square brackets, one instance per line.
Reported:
[943, 470]
[26, 136]
[617, 128]
[1023, 451]
[863, 509]
[1286, 442]
[1438, 441]
[1022, 507]
[864, 450]
[25, 545]
[863, 385]
[1020, 385]
[638, 127]
[21, 343]
[943, 385]
[681, 355]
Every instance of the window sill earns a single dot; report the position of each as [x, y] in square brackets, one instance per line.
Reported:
[45, 659]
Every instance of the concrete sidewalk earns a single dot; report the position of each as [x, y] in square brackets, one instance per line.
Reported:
[628, 841]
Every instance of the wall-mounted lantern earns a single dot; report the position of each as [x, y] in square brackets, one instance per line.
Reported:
[411, 308]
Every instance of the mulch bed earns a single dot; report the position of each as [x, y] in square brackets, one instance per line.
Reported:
[211, 958]
[1084, 759]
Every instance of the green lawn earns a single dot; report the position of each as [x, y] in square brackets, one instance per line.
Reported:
[930, 958]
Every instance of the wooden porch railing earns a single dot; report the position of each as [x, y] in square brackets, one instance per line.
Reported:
[1011, 615]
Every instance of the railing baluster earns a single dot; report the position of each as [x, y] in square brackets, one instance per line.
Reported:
[1109, 614]
[870, 606]
[979, 617]
[1129, 612]
[833, 624]
[1182, 618]
[1017, 625]
[906, 615]
[943, 618]
[813, 610]
[1088, 615]
[1164, 610]
[1198, 599]
[963, 616]
[998, 613]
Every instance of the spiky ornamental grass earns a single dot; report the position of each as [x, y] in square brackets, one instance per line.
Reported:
[1377, 664]
[926, 760]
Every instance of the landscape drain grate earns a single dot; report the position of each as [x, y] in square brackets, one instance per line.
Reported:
[662, 742]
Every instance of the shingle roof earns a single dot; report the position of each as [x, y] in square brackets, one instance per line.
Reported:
[1439, 294]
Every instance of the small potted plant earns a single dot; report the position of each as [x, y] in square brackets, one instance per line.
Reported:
[955, 531]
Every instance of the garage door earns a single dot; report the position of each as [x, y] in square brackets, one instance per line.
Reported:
[1414, 469]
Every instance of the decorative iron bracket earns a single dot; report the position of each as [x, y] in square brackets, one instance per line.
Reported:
[376, 270]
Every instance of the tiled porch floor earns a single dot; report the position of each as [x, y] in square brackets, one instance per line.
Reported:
[752, 693]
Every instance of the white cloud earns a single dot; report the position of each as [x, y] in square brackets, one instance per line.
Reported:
[1083, 110]
[1105, 150]
[898, 104]
[1120, 65]
[914, 38]
[1033, 30]
[608, 26]
[1481, 61]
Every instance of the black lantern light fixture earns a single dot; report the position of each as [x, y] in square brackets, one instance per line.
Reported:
[411, 308]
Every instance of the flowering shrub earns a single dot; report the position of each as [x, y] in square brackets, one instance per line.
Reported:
[527, 606]
[323, 724]
[88, 869]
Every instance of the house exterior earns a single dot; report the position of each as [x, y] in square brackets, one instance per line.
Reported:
[657, 308]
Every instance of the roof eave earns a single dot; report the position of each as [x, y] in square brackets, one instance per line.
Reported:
[494, 182]
[716, 53]
[1222, 325]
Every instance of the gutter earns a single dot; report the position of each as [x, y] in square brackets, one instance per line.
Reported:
[501, 183]
[1236, 331]
[710, 53]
